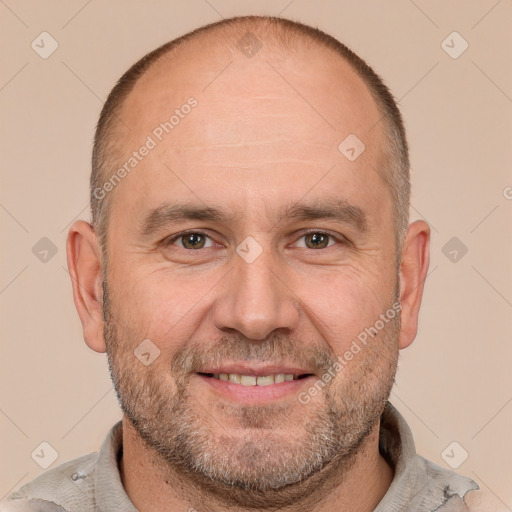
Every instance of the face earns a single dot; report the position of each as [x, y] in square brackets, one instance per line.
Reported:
[246, 243]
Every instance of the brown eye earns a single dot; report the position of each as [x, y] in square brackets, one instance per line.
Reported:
[193, 240]
[317, 240]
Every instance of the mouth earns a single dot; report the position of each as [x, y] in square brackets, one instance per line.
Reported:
[256, 380]
[250, 389]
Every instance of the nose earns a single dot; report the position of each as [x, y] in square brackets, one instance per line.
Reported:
[255, 300]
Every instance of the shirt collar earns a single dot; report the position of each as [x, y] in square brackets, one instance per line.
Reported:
[110, 493]
[418, 484]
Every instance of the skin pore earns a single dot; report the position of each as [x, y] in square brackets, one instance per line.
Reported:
[266, 159]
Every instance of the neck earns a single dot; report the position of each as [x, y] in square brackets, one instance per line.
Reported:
[153, 485]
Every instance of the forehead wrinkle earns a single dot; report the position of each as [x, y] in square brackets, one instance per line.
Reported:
[254, 142]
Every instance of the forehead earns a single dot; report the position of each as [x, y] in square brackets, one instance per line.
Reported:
[312, 84]
[257, 124]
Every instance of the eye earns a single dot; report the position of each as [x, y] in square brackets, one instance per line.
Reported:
[191, 240]
[317, 240]
[198, 240]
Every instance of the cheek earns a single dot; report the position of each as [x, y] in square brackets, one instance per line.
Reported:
[344, 303]
[161, 307]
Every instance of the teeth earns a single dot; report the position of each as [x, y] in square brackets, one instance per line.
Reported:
[265, 381]
[248, 380]
[252, 380]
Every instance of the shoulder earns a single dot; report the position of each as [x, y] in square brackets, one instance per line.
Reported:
[57, 489]
[456, 486]
[484, 501]
[33, 505]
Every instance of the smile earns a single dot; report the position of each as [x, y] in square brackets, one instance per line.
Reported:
[253, 380]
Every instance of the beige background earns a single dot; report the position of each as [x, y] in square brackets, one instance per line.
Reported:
[454, 382]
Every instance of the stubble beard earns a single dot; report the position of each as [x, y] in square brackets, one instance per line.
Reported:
[252, 466]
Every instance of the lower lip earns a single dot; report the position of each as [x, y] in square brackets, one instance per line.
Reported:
[256, 394]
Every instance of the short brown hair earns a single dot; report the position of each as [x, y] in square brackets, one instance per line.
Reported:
[286, 34]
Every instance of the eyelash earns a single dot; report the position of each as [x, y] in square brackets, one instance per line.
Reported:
[337, 238]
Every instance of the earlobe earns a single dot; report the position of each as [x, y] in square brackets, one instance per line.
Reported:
[84, 264]
[413, 272]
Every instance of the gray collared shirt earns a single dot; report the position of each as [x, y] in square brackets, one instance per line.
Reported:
[92, 483]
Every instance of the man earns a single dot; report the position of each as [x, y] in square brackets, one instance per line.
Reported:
[251, 274]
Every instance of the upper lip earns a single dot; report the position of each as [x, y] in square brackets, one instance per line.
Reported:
[258, 371]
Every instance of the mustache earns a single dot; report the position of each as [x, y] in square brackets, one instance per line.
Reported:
[193, 357]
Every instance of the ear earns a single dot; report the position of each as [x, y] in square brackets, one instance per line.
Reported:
[413, 272]
[84, 264]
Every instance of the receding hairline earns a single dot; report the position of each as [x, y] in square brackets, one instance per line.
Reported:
[283, 37]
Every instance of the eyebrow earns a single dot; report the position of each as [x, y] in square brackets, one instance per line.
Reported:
[337, 210]
[167, 213]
